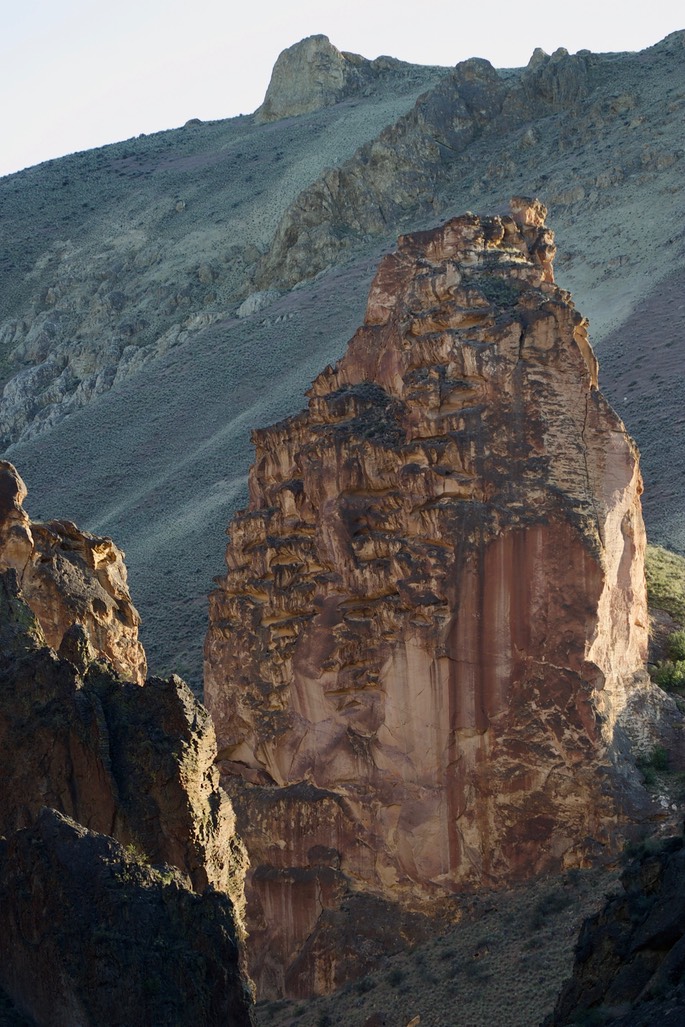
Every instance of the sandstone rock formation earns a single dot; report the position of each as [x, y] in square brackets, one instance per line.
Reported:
[126, 265]
[68, 576]
[421, 660]
[101, 778]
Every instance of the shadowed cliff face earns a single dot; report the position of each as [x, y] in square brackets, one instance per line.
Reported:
[98, 938]
[117, 841]
[629, 957]
[434, 612]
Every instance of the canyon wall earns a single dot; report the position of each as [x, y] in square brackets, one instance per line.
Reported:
[121, 874]
[434, 619]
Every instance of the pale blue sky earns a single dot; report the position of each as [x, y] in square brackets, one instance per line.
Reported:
[75, 74]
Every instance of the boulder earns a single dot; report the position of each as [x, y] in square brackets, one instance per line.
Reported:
[309, 75]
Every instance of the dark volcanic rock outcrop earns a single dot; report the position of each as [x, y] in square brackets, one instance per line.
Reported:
[630, 957]
[94, 937]
[400, 174]
[424, 654]
[134, 762]
[101, 778]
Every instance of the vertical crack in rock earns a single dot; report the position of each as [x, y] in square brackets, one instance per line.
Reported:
[434, 614]
[587, 472]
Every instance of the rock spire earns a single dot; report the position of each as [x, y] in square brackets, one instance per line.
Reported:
[422, 655]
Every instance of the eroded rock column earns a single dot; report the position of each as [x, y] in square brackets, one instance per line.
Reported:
[434, 608]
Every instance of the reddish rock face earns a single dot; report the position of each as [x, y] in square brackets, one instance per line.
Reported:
[434, 612]
[68, 576]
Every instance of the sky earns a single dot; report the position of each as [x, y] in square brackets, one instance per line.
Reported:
[75, 74]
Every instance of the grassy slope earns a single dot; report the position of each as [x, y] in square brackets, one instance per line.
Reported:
[666, 581]
[177, 450]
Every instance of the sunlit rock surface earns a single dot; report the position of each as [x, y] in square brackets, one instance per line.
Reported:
[69, 576]
[421, 660]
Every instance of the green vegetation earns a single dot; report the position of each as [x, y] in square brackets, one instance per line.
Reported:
[653, 763]
[665, 573]
[500, 291]
[676, 646]
[636, 849]
[134, 854]
[364, 985]
[479, 957]
[669, 675]
[555, 901]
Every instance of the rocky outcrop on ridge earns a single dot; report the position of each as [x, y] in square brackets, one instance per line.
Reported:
[400, 174]
[112, 258]
[117, 840]
[68, 576]
[424, 657]
[313, 74]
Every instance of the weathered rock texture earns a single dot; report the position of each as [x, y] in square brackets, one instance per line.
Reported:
[68, 576]
[136, 763]
[313, 74]
[434, 614]
[89, 763]
[91, 936]
[126, 264]
[307, 76]
[630, 956]
[400, 174]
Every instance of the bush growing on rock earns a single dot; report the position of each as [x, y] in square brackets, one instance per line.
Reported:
[669, 674]
[676, 646]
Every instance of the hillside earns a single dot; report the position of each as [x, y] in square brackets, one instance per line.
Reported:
[124, 268]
